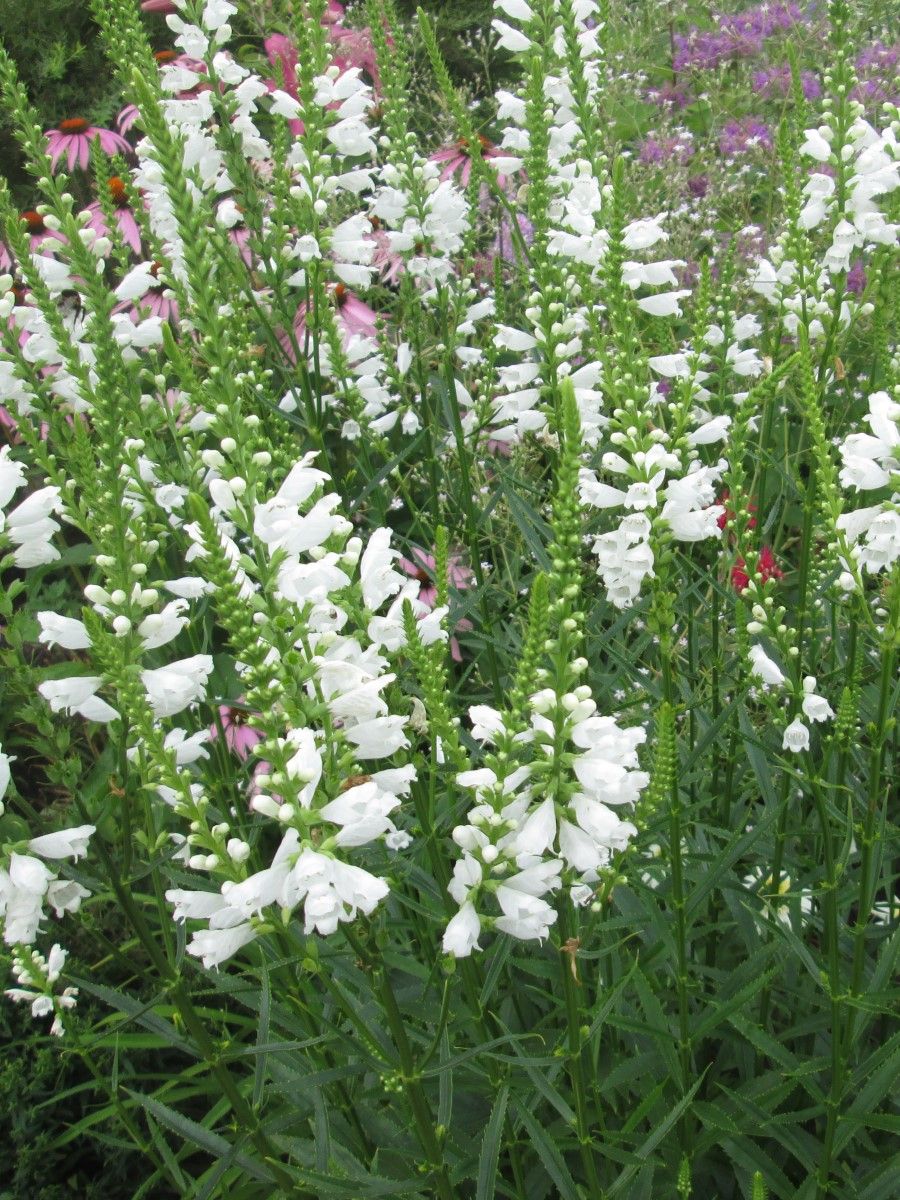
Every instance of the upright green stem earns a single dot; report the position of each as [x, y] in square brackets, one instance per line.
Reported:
[409, 1075]
[574, 1056]
[838, 1056]
[679, 904]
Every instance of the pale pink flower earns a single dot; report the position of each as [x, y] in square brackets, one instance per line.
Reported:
[240, 737]
[127, 118]
[354, 316]
[38, 231]
[354, 48]
[457, 160]
[72, 138]
[125, 218]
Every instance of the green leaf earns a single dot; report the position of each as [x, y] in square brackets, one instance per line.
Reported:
[201, 1137]
[490, 1147]
[547, 1151]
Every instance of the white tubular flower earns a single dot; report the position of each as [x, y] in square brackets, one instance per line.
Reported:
[525, 916]
[461, 934]
[796, 737]
[77, 694]
[815, 708]
[66, 843]
[158, 629]
[172, 688]
[764, 668]
[378, 578]
[22, 890]
[509, 38]
[378, 738]
[30, 528]
[666, 304]
[624, 559]
[62, 631]
[187, 749]
[65, 895]
[12, 477]
[487, 722]
[5, 776]
[215, 946]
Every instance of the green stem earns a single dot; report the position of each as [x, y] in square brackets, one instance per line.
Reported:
[679, 904]
[574, 1056]
[409, 1075]
[838, 1055]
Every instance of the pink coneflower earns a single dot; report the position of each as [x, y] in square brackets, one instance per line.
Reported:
[456, 159]
[125, 219]
[354, 48]
[240, 738]
[334, 12]
[155, 302]
[422, 567]
[38, 231]
[127, 117]
[73, 138]
[387, 262]
[354, 317]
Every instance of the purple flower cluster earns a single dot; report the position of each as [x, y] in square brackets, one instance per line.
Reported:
[737, 35]
[670, 95]
[774, 82]
[654, 151]
[877, 68]
[744, 136]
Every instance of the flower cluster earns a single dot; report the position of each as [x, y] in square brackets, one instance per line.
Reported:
[546, 815]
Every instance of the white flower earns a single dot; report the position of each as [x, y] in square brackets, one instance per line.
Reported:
[187, 749]
[158, 629]
[666, 304]
[461, 934]
[30, 528]
[5, 775]
[12, 477]
[378, 738]
[487, 722]
[524, 916]
[65, 843]
[22, 890]
[77, 694]
[816, 146]
[670, 366]
[509, 38]
[815, 708]
[172, 688]
[65, 895]
[362, 812]
[62, 631]
[536, 834]
[796, 737]
[214, 946]
[644, 233]
[764, 668]
[377, 576]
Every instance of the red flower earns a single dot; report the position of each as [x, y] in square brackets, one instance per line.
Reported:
[728, 514]
[766, 568]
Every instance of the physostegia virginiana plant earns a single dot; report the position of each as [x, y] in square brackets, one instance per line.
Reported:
[478, 640]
